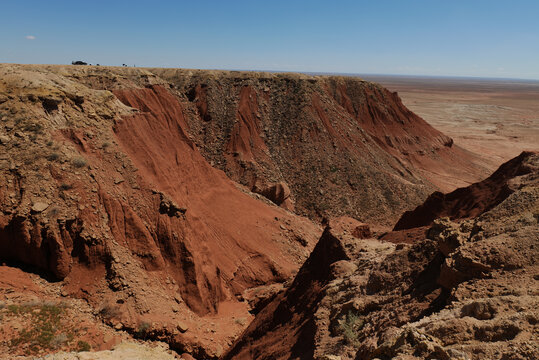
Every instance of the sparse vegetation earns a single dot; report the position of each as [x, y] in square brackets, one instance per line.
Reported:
[350, 326]
[109, 311]
[64, 187]
[32, 158]
[33, 127]
[79, 162]
[83, 346]
[44, 332]
[240, 321]
[143, 329]
[46, 326]
[53, 156]
[59, 340]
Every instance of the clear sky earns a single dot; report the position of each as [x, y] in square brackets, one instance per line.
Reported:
[487, 38]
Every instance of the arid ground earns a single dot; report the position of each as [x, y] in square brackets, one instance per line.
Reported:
[494, 118]
[244, 215]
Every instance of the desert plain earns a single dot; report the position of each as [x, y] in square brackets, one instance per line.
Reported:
[494, 118]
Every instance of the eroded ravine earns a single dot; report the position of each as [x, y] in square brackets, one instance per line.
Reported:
[123, 186]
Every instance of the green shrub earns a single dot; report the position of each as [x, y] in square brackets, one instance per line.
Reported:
[108, 311]
[53, 156]
[33, 127]
[59, 340]
[350, 327]
[65, 187]
[83, 346]
[240, 321]
[79, 162]
[45, 325]
[143, 328]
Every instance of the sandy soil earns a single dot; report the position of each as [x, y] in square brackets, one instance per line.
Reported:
[496, 119]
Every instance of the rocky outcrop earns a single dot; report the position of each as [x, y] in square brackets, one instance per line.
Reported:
[461, 291]
[473, 200]
[289, 326]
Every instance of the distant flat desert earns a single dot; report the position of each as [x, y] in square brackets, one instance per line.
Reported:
[496, 119]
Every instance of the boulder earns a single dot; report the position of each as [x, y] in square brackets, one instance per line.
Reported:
[39, 206]
[278, 193]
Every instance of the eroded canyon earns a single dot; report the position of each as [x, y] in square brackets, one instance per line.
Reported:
[249, 215]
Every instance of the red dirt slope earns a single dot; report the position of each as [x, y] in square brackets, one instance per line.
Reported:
[217, 212]
[470, 201]
[342, 146]
[394, 127]
[221, 251]
[403, 134]
[105, 192]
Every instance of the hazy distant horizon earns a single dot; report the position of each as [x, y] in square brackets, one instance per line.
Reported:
[314, 73]
[461, 38]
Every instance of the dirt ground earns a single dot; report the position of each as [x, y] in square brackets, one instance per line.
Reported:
[496, 119]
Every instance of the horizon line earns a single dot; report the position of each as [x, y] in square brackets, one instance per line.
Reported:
[350, 74]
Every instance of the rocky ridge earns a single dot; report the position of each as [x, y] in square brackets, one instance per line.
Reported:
[473, 200]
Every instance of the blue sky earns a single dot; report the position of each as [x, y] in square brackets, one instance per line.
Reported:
[415, 37]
